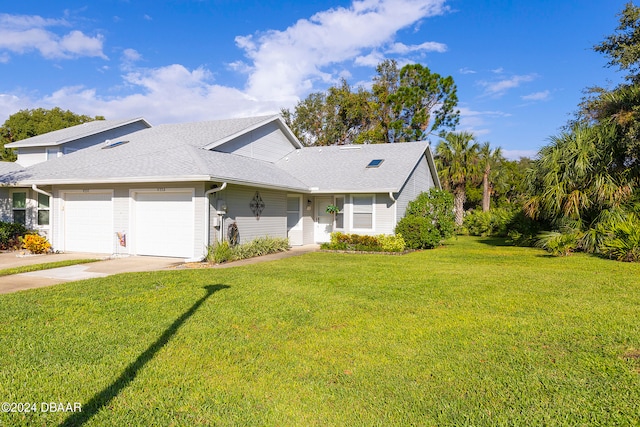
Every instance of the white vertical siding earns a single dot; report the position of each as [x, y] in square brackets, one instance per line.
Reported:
[272, 221]
[5, 205]
[384, 214]
[28, 156]
[420, 180]
[265, 143]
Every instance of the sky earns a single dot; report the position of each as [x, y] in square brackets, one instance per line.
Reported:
[520, 66]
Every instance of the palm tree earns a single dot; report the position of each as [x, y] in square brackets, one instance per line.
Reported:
[488, 159]
[457, 157]
[576, 176]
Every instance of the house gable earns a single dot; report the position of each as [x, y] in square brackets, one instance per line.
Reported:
[55, 144]
[269, 140]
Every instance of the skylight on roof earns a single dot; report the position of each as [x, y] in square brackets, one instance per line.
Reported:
[111, 144]
[375, 163]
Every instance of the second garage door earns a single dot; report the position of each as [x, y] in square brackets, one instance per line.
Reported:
[164, 223]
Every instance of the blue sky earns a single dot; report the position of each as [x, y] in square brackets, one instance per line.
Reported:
[520, 66]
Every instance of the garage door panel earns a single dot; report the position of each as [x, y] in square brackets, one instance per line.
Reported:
[164, 224]
[88, 222]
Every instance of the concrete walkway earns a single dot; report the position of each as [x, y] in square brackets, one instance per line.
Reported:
[106, 266]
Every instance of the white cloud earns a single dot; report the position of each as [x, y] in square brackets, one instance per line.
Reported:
[287, 63]
[403, 49]
[500, 87]
[20, 34]
[477, 122]
[537, 96]
[517, 154]
[370, 60]
[466, 70]
[498, 70]
[281, 67]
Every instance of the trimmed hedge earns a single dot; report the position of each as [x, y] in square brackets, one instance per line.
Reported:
[10, 234]
[364, 243]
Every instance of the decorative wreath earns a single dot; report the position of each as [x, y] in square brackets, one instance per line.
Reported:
[233, 235]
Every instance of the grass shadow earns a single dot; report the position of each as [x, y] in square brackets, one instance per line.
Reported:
[495, 241]
[103, 398]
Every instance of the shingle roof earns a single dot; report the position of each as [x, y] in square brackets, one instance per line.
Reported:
[344, 168]
[175, 153]
[61, 136]
[7, 167]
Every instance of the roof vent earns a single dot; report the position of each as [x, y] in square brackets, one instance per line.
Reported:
[113, 144]
[375, 163]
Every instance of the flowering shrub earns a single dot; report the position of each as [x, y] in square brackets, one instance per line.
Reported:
[357, 242]
[10, 234]
[35, 243]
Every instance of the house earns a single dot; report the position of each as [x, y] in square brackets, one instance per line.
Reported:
[126, 187]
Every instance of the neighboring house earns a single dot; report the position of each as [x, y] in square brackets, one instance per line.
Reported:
[171, 190]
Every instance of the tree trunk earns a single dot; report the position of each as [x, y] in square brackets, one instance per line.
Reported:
[486, 195]
[459, 197]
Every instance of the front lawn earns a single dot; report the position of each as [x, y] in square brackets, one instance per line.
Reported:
[474, 333]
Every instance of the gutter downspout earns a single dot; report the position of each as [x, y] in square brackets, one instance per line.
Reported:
[208, 209]
[393, 199]
[35, 188]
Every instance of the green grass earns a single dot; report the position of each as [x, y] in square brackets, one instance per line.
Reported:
[43, 266]
[474, 333]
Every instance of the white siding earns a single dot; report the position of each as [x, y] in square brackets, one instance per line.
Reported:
[272, 221]
[384, 215]
[28, 156]
[265, 143]
[420, 180]
[5, 205]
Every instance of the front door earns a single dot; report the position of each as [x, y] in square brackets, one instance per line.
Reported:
[324, 220]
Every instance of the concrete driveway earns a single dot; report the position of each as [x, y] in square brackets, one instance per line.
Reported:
[104, 267]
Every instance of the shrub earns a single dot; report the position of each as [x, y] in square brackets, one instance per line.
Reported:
[559, 243]
[492, 223]
[522, 230]
[623, 239]
[219, 252]
[429, 220]
[35, 243]
[419, 232]
[392, 243]
[10, 234]
[223, 252]
[260, 246]
[364, 243]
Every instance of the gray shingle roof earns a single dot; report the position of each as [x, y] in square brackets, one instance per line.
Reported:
[7, 167]
[61, 136]
[344, 168]
[175, 153]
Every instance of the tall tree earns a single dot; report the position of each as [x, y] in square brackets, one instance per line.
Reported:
[576, 176]
[423, 103]
[488, 159]
[457, 158]
[28, 123]
[623, 47]
[403, 105]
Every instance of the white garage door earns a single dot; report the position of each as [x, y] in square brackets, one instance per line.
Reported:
[88, 222]
[164, 224]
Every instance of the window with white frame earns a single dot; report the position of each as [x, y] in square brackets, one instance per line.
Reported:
[339, 201]
[294, 204]
[43, 209]
[362, 212]
[19, 207]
